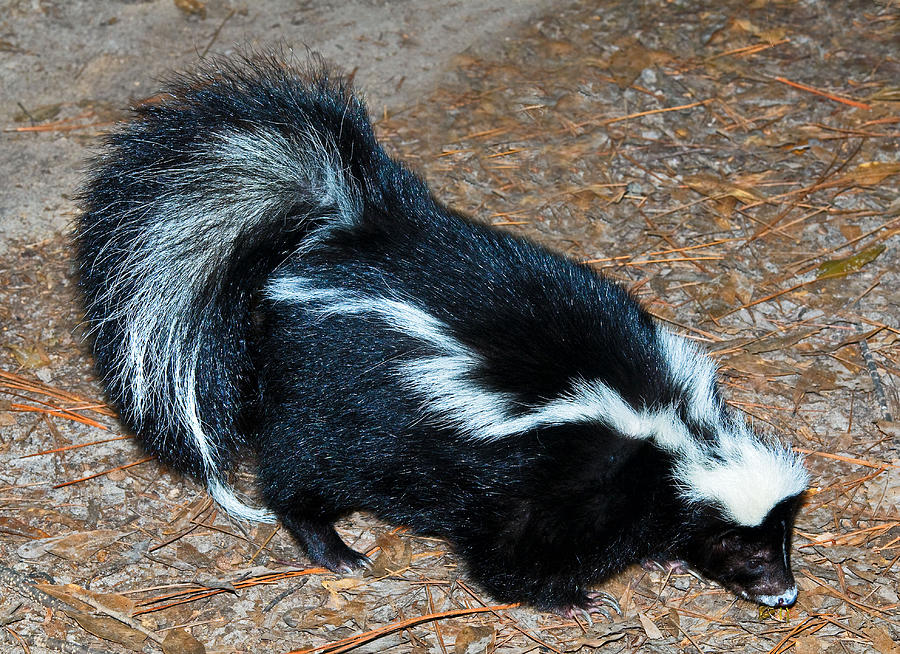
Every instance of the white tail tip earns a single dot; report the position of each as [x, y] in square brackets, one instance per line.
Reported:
[224, 496]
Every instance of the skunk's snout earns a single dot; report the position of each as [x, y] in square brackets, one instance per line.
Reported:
[785, 599]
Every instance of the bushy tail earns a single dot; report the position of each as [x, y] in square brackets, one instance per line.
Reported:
[191, 206]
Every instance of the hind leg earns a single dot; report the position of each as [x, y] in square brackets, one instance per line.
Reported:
[303, 509]
[322, 544]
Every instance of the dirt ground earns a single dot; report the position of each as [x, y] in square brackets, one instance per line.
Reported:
[734, 163]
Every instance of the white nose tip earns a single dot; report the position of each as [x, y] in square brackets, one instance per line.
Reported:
[787, 598]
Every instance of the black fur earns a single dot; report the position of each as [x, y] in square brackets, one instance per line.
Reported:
[539, 516]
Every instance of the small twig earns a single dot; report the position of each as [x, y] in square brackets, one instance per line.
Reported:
[352, 642]
[9, 616]
[847, 459]
[215, 35]
[640, 114]
[436, 624]
[121, 617]
[26, 112]
[280, 596]
[824, 94]
[266, 542]
[105, 472]
[66, 448]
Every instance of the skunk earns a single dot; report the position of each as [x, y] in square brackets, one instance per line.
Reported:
[258, 273]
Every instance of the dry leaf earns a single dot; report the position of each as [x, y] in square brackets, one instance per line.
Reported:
[30, 356]
[871, 173]
[473, 640]
[770, 35]
[882, 640]
[807, 645]
[650, 628]
[850, 230]
[714, 186]
[775, 342]
[79, 597]
[179, 641]
[751, 364]
[110, 629]
[317, 618]
[7, 419]
[74, 547]
[814, 379]
[185, 514]
[187, 553]
[840, 267]
[603, 634]
[724, 210]
[631, 59]
[335, 586]
[51, 515]
[194, 7]
[18, 528]
[38, 114]
[395, 554]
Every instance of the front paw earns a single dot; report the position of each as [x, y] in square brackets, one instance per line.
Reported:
[592, 602]
[676, 567]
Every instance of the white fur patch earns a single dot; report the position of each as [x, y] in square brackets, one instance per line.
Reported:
[445, 381]
[224, 496]
[787, 598]
[737, 472]
[691, 371]
[742, 475]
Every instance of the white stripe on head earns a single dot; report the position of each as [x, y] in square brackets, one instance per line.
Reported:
[691, 371]
[745, 477]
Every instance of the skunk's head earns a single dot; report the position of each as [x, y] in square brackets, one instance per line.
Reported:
[752, 562]
[740, 487]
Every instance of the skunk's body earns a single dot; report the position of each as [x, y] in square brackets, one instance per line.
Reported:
[257, 270]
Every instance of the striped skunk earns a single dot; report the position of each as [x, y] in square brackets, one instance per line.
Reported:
[258, 272]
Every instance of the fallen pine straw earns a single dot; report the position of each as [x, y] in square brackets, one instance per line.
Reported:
[847, 459]
[194, 594]
[352, 642]
[871, 610]
[17, 382]
[50, 410]
[824, 94]
[66, 448]
[811, 624]
[105, 472]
